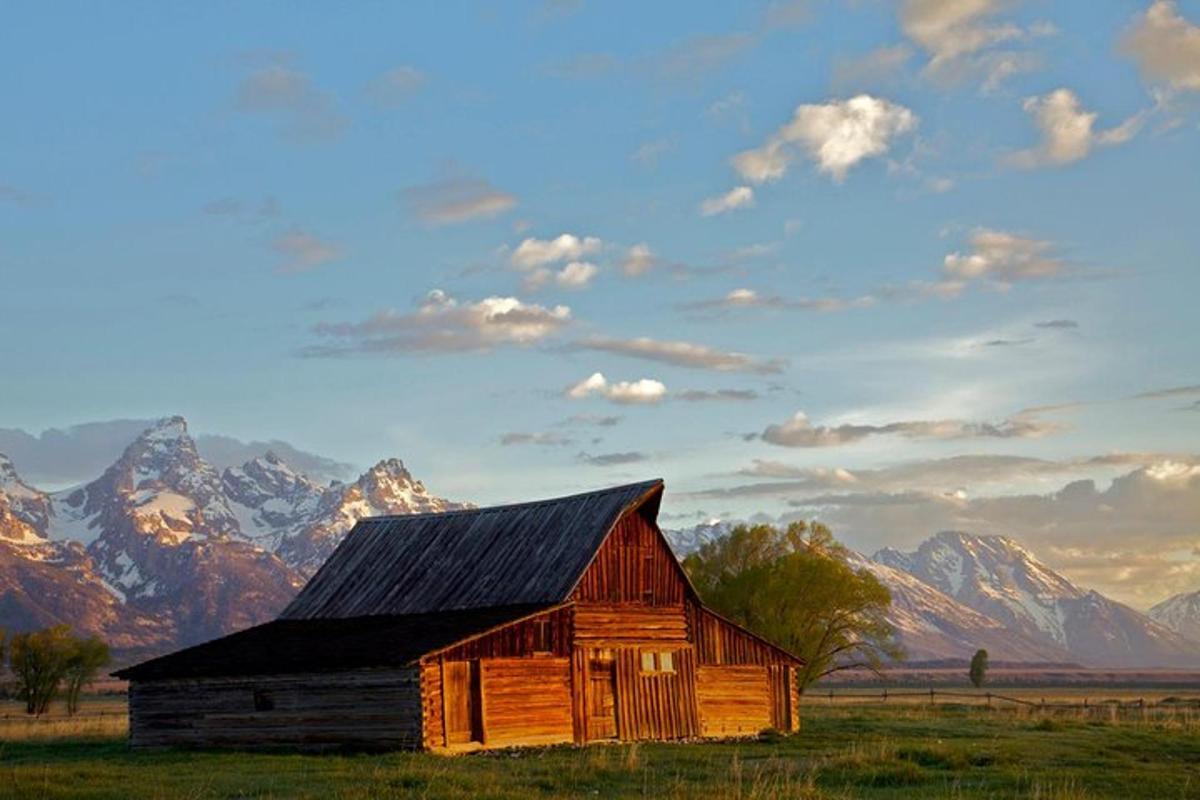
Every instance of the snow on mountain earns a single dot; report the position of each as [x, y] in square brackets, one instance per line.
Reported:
[386, 488]
[24, 502]
[999, 578]
[162, 549]
[929, 624]
[1180, 613]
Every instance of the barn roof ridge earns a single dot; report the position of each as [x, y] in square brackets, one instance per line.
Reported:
[516, 554]
[498, 507]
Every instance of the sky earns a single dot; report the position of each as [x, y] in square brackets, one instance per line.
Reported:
[900, 266]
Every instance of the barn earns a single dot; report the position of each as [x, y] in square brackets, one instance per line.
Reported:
[556, 621]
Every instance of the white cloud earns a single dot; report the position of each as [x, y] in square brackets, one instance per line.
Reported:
[303, 251]
[455, 200]
[963, 40]
[646, 391]
[738, 197]
[1067, 130]
[683, 354]
[442, 324]
[1003, 257]
[574, 276]
[532, 253]
[798, 431]
[639, 260]
[1166, 46]
[836, 136]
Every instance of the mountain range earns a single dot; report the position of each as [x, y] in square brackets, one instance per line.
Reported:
[164, 550]
[957, 593]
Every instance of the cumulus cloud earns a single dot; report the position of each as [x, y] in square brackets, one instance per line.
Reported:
[1087, 532]
[442, 324]
[302, 111]
[455, 200]
[303, 251]
[798, 431]
[532, 253]
[836, 136]
[683, 354]
[396, 85]
[1166, 47]
[1004, 258]
[964, 40]
[738, 197]
[1067, 131]
[749, 298]
[639, 260]
[646, 391]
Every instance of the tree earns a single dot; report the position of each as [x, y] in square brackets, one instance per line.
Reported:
[39, 662]
[979, 665]
[86, 658]
[796, 588]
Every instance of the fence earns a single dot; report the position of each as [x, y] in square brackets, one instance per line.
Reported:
[989, 698]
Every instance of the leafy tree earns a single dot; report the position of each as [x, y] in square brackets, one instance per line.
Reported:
[39, 662]
[86, 658]
[796, 588]
[979, 666]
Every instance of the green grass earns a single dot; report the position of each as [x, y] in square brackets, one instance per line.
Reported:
[843, 752]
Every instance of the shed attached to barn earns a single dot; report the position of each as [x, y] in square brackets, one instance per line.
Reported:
[558, 621]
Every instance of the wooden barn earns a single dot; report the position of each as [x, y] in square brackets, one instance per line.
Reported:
[565, 620]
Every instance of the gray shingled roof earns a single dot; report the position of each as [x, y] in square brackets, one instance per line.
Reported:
[530, 553]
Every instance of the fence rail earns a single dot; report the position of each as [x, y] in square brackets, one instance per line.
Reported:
[987, 698]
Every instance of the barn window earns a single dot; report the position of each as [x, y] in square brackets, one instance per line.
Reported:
[657, 662]
[263, 701]
[541, 636]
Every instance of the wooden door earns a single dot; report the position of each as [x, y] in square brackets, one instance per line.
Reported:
[601, 699]
[464, 717]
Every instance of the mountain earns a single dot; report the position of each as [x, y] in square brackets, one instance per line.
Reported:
[1180, 613]
[164, 550]
[1002, 580]
[929, 624]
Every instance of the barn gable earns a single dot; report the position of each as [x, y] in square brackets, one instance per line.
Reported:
[530, 553]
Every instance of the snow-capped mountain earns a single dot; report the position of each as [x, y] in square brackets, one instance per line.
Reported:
[162, 549]
[1180, 613]
[929, 624]
[999, 578]
[386, 488]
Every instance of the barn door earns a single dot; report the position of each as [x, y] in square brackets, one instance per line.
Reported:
[464, 709]
[601, 699]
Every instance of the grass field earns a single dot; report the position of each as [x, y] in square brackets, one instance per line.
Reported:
[844, 751]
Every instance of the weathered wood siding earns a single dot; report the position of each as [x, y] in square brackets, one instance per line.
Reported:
[719, 642]
[374, 709]
[623, 625]
[634, 565]
[544, 633]
[733, 700]
[526, 701]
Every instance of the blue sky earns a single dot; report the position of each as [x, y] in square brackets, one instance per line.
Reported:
[237, 212]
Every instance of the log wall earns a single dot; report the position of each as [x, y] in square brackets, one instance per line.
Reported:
[733, 700]
[526, 701]
[369, 709]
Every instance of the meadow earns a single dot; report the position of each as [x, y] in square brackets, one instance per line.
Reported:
[846, 749]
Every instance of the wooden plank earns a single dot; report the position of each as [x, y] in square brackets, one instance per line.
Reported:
[733, 700]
